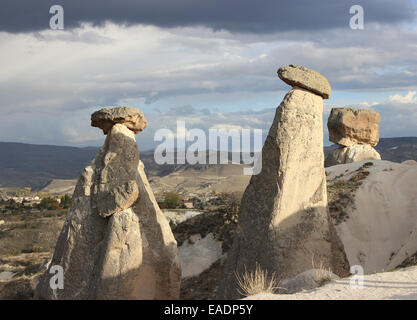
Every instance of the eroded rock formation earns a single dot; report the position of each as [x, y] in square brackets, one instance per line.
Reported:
[106, 118]
[311, 80]
[351, 154]
[115, 243]
[356, 132]
[283, 219]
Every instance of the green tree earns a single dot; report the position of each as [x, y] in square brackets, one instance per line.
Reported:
[66, 201]
[49, 203]
[172, 199]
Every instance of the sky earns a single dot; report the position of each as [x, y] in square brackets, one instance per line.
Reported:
[211, 63]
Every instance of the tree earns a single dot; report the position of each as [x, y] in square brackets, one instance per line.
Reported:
[172, 199]
[66, 201]
[49, 203]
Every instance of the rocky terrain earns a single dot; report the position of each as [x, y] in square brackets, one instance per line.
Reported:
[348, 188]
[363, 210]
[297, 232]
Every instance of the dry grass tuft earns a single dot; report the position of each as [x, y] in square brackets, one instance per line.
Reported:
[322, 275]
[259, 281]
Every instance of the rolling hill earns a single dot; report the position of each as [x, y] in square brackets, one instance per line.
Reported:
[28, 165]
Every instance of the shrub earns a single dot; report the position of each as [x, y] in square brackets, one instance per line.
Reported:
[49, 203]
[172, 199]
[258, 281]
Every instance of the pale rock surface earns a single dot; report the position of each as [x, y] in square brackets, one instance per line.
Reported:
[311, 80]
[396, 285]
[410, 162]
[306, 280]
[115, 187]
[177, 217]
[130, 254]
[3, 196]
[198, 254]
[106, 118]
[380, 230]
[6, 275]
[283, 218]
[349, 127]
[351, 154]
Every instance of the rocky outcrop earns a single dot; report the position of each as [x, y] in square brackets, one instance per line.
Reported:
[373, 207]
[3, 196]
[283, 218]
[356, 132]
[410, 162]
[116, 242]
[349, 127]
[106, 118]
[306, 280]
[351, 154]
[311, 80]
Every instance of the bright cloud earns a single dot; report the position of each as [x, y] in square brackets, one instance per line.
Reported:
[410, 97]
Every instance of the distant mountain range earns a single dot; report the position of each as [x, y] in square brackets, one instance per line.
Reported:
[28, 165]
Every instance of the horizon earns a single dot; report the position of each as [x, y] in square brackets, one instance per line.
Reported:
[175, 150]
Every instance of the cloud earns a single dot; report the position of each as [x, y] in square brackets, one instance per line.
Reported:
[140, 65]
[196, 70]
[410, 97]
[260, 17]
[226, 126]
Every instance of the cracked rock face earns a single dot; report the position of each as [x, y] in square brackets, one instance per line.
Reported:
[106, 118]
[348, 127]
[115, 243]
[283, 219]
[115, 187]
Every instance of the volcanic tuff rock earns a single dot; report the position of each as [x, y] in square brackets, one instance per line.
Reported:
[307, 280]
[348, 127]
[351, 154]
[116, 242]
[132, 118]
[373, 205]
[283, 219]
[311, 80]
[115, 187]
[3, 196]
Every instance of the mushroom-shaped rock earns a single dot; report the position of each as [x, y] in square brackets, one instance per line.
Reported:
[106, 118]
[115, 243]
[311, 80]
[283, 218]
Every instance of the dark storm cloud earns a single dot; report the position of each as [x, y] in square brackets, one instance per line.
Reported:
[255, 16]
